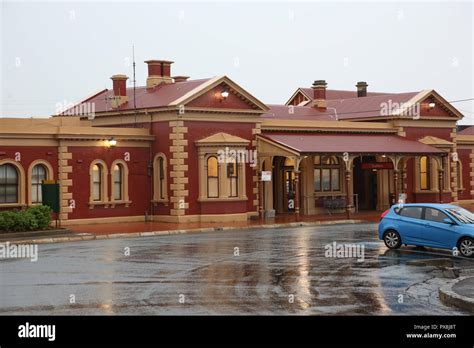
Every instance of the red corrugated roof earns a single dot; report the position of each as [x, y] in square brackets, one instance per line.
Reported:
[156, 97]
[467, 131]
[351, 143]
[352, 108]
[332, 94]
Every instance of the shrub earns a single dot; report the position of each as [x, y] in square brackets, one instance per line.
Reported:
[42, 214]
[34, 218]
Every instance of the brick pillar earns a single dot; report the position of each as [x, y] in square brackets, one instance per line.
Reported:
[454, 168]
[65, 194]
[178, 170]
[256, 186]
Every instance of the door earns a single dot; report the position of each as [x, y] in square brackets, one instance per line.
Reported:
[411, 225]
[438, 233]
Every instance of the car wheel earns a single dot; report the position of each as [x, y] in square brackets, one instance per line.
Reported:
[392, 239]
[466, 247]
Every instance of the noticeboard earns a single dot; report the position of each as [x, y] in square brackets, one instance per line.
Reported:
[50, 194]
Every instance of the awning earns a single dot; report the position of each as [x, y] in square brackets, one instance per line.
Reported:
[351, 143]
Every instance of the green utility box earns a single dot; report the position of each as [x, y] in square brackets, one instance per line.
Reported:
[50, 192]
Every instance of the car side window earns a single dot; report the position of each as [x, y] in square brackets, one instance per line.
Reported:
[412, 212]
[435, 215]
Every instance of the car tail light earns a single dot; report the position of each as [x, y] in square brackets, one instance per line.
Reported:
[384, 213]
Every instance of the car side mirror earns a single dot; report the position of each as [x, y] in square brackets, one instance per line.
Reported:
[448, 221]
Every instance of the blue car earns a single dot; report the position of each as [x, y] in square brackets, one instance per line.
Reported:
[443, 226]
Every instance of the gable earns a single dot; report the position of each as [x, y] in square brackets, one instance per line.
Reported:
[208, 96]
[298, 99]
[442, 107]
[212, 99]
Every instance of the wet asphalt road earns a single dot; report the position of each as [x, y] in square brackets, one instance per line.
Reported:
[282, 271]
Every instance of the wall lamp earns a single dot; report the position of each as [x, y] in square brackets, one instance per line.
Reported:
[431, 105]
[224, 94]
[111, 142]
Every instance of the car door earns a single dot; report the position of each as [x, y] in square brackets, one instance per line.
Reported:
[437, 232]
[411, 225]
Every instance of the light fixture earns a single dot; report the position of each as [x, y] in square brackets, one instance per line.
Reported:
[111, 142]
[384, 156]
[224, 94]
[431, 105]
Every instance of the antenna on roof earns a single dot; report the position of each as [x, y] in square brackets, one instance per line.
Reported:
[134, 86]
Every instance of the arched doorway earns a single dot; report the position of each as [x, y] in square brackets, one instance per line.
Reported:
[284, 184]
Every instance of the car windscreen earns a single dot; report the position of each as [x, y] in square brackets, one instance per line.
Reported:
[462, 215]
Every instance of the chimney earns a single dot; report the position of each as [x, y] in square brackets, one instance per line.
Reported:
[180, 78]
[119, 83]
[159, 71]
[361, 89]
[319, 94]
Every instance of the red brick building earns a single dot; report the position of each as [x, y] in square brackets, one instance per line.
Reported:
[194, 150]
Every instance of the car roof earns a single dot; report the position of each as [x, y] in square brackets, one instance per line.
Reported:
[431, 205]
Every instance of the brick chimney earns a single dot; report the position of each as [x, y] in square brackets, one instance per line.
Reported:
[361, 89]
[159, 71]
[319, 94]
[119, 83]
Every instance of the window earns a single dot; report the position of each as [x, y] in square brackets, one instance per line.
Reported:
[327, 174]
[212, 177]
[117, 175]
[159, 178]
[9, 181]
[412, 212]
[161, 169]
[96, 182]
[459, 174]
[425, 173]
[38, 174]
[232, 178]
[435, 215]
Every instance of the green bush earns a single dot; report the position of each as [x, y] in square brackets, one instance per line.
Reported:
[35, 218]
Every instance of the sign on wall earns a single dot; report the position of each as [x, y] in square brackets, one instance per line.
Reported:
[266, 175]
[377, 165]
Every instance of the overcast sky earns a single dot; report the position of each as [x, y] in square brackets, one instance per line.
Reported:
[60, 52]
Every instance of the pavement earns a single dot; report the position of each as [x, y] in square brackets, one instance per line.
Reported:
[147, 229]
[233, 272]
[459, 294]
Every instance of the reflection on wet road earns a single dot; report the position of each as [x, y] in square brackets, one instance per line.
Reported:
[282, 271]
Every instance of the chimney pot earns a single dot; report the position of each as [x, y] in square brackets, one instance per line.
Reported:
[361, 89]
[319, 94]
[180, 78]
[159, 71]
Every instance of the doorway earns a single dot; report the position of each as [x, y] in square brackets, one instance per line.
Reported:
[365, 183]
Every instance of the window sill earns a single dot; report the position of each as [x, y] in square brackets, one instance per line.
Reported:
[114, 203]
[223, 199]
[96, 203]
[158, 201]
[12, 205]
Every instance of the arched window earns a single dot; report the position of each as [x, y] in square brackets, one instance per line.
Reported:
[212, 177]
[159, 178]
[38, 174]
[327, 174]
[97, 182]
[459, 174]
[232, 177]
[9, 184]
[425, 173]
[117, 177]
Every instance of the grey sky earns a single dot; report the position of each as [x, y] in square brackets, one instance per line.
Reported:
[61, 52]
